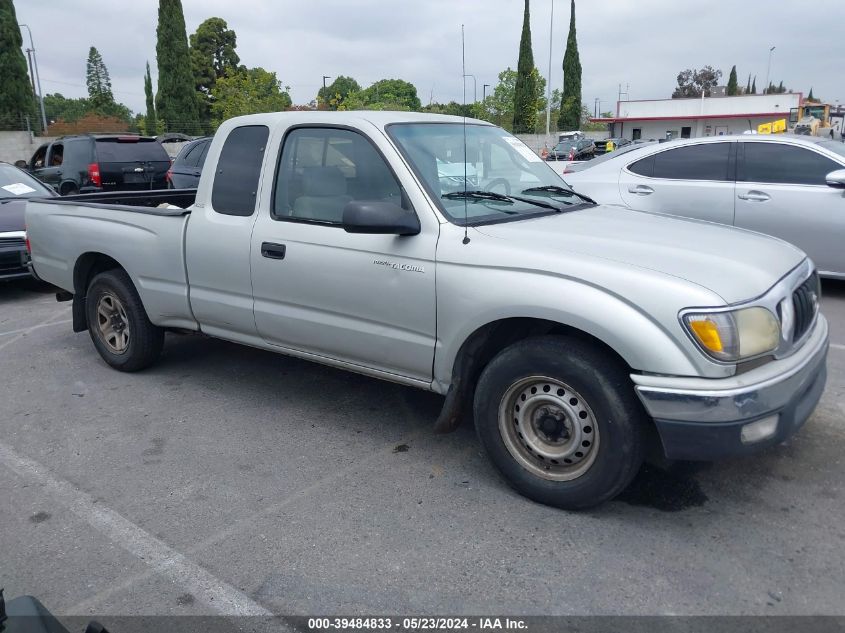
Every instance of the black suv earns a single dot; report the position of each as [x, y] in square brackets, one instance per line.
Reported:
[573, 149]
[101, 162]
[186, 169]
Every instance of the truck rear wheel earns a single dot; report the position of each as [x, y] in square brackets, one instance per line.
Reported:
[118, 323]
[560, 421]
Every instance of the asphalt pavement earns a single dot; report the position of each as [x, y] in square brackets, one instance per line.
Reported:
[232, 480]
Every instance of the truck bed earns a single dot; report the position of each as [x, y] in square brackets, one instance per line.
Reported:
[148, 241]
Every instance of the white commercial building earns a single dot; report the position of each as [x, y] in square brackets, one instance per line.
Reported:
[691, 118]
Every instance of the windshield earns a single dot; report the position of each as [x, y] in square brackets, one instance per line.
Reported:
[495, 162]
[15, 183]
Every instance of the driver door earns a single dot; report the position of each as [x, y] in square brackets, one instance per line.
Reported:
[364, 300]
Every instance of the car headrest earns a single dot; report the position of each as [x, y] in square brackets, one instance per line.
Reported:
[323, 181]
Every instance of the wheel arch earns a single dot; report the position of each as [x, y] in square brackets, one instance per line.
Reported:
[87, 266]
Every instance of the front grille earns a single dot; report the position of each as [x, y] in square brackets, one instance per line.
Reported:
[805, 301]
[12, 241]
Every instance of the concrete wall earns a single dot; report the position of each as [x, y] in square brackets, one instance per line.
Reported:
[20, 145]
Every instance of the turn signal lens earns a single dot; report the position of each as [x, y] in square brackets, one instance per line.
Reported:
[707, 334]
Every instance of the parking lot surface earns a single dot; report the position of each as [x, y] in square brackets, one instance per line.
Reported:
[228, 479]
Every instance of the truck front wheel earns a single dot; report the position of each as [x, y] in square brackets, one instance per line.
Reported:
[118, 323]
[560, 421]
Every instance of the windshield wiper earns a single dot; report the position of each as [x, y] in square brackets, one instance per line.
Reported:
[492, 195]
[477, 193]
[558, 190]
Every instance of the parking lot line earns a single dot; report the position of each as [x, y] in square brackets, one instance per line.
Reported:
[24, 330]
[22, 333]
[206, 588]
[837, 346]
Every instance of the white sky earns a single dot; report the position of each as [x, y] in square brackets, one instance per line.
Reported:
[641, 43]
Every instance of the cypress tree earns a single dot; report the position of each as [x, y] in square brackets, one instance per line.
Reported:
[754, 86]
[748, 85]
[570, 103]
[810, 96]
[176, 101]
[16, 96]
[98, 80]
[525, 99]
[733, 86]
[150, 122]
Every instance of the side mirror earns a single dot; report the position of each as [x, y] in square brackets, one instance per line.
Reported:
[378, 217]
[836, 179]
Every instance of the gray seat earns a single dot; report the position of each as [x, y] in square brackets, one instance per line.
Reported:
[323, 195]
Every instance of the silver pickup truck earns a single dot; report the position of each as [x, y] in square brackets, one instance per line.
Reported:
[444, 254]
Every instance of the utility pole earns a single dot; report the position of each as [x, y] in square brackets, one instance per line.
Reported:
[549, 78]
[37, 79]
[31, 71]
[768, 69]
[484, 92]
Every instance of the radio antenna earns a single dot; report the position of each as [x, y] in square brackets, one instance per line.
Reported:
[464, 112]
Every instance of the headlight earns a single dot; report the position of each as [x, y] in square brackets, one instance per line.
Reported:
[734, 335]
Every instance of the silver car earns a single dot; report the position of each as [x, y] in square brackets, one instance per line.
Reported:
[783, 185]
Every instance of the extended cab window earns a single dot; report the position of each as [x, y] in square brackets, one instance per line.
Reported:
[238, 169]
[708, 161]
[784, 164]
[322, 169]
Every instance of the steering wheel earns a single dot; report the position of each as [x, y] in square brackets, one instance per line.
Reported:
[499, 182]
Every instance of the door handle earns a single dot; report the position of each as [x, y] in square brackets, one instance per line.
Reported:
[754, 196]
[641, 190]
[272, 251]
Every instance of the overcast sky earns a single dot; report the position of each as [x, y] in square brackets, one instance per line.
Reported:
[638, 43]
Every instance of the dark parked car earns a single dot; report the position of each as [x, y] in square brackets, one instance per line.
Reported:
[101, 162]
[185, 171]
[610, 144]
[16, 186]
[575, 149]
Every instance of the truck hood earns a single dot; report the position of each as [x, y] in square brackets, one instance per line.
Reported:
[735, 264]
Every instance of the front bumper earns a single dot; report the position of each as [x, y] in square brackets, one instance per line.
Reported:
[13, 262]
[703, 419]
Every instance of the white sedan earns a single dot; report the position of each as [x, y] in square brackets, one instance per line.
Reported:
[784, 185]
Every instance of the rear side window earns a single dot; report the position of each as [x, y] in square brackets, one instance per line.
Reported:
[784, 164]
[78, 152]
[695, 162]
[236, 181]
[130, 151]
[643, 167]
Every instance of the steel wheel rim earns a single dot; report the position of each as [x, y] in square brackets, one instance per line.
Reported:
[112, 323]
[548, 428]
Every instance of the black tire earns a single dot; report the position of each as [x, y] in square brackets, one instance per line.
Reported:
[605, 394]
[144, 340]
[69, 189]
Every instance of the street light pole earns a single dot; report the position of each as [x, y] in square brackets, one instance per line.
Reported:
[549, 78]
[484, 92]
[37, 78]
[768, 69]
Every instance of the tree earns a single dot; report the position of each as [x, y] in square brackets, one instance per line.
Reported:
[212, 56]
[58, 107]
[97, 79]
[733, 86]
[176, 101]
[570, 110]
[385, 94]
[524, 106]
[748, 85]
[333, 95]
[694, 83]
[247, 91]
[150, 121]
[17, 99]
[810, 96]
[754, 86]
[499, 106]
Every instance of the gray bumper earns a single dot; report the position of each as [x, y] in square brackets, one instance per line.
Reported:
[700, 418]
